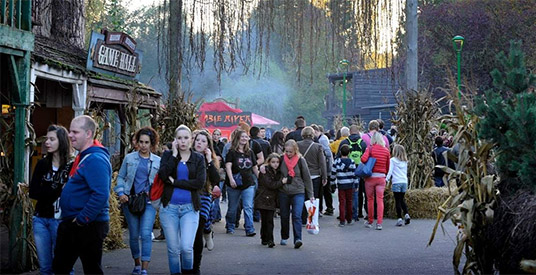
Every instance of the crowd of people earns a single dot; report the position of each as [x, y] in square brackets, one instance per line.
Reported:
[185, 182]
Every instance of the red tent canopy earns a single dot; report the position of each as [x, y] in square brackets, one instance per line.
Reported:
[217, 107]
[221, 107]
[260, 120]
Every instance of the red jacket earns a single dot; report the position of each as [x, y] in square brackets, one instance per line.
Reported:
[382, 156]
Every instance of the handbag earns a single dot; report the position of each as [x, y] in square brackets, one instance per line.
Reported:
[364, 170]
[137, 203]
[157, 188]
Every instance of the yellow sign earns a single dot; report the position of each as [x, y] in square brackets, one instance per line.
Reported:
[5, 109]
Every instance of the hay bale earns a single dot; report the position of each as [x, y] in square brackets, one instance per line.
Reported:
[422, 203]
[114, 240]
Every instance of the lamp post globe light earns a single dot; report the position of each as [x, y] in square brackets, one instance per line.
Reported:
[346, 63]
[457, 43]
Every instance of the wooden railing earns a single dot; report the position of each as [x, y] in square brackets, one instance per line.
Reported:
[16, 14]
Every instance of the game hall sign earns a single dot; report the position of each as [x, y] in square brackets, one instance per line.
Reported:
[115, 53]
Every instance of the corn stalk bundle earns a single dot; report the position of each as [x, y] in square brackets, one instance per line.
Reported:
[416, 113]
[358, 122]
[177, 111]
[6, 167]
[114, 240]
[470, 206]
[337, 123]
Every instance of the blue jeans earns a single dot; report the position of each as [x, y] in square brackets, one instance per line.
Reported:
[45, 231]
[285, 202]
[215, 211]
[180, 226]
[140, 226]
[234, 196]
[354, 205]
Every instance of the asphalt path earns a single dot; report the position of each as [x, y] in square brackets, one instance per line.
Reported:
[335, 250]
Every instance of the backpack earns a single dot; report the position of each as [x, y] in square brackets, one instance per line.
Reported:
[356, 151]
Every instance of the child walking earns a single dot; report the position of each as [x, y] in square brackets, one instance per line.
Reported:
[398, 173]
[343, 171]
[265, 198]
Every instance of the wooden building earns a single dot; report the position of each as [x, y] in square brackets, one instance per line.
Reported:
[372, 96]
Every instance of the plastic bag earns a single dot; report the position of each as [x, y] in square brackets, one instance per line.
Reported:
[312, 217]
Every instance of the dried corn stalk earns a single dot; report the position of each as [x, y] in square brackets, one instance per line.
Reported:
[416, 113]
[177, 111]
[114, 239]
[470, 206]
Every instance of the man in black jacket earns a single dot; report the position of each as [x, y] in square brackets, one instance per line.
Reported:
[296, 134]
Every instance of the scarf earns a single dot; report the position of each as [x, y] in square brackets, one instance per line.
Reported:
[291, 163]
[77, 159]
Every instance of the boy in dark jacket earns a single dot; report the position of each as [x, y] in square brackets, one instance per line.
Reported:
[343, 171]
[266, 196]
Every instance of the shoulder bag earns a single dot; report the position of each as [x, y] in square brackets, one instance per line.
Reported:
[364, 170]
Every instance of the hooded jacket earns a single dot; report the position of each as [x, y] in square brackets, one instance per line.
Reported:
[353, 138]
[85, 196]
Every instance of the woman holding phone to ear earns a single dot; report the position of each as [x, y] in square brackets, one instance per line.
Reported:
[184, 174]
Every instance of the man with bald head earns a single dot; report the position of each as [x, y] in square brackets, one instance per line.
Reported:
[84, 202]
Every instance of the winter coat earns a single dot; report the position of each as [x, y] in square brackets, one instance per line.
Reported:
[266, 196]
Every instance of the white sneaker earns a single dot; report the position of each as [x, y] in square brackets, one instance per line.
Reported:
[400, 222]
[407, 218]
[378, 227]
[368, 225]
[209, 240]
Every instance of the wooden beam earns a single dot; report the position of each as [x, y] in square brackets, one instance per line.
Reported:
[16, 39]
[14, 72]
[10, 51]
[3, 19]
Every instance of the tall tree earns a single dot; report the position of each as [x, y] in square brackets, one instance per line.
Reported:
[412, 35]
[175, 47]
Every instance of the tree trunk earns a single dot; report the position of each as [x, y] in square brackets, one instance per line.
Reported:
[175, 48]
[412, 35]
[68, 22]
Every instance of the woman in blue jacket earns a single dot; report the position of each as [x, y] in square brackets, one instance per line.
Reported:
[135, 176]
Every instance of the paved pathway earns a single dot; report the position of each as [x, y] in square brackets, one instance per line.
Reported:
[335, 250]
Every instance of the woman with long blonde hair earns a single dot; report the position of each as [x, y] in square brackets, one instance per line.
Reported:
[297, 184]
[398, 174]
[376, 182]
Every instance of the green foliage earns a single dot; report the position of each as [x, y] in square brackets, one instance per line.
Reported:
[509, 120]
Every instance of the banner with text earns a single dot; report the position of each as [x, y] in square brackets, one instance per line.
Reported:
[223, 119]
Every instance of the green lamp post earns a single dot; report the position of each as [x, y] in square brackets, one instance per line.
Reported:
[457, 42]
[346, 63]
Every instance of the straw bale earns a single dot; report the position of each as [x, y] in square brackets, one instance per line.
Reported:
[422, 203]
[114, 240]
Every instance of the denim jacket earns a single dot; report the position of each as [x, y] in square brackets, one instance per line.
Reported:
[127, 173]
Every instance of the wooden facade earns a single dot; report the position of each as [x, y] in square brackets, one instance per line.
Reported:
[16, 45]
[372, 96]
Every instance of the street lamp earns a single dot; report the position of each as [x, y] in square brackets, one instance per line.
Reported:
[457, 42]
[346, 63]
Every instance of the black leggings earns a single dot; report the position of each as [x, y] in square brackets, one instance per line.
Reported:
[400, 204]
[198, 244]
